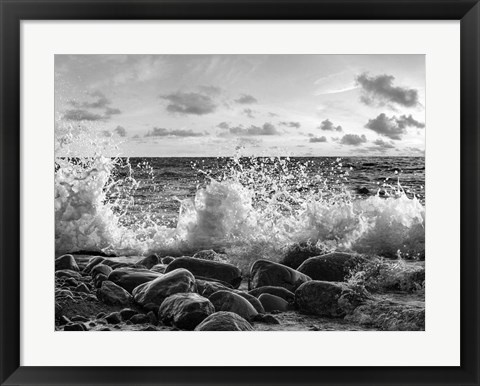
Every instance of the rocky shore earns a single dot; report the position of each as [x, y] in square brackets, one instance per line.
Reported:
[205, 292]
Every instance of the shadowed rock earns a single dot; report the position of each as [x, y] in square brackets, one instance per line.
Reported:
[289, 296]
[330, 267]
[205, 269]
[273, 303]
[268, 273]
[94, 261]
[232, 302]
[224, 321]
[148, 262]
[129, 278]
[185, 310]
[297, 253]
[100, 269]
[113, 295]
[66, 262]
[206, 288]
[151, 294]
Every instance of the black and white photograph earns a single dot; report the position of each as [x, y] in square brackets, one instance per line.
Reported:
[240, 192]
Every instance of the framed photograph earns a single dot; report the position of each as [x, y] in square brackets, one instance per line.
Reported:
[240, 193]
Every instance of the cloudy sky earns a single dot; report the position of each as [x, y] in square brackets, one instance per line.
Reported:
[209, 105]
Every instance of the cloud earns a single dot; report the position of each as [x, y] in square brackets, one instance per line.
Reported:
[416, 150]
[270, 114]
[249, 113]
[190, 103]
[160, 132]
[265, 129]
[112, 111]
[393, 128]
[326, 125]
[253, 142]
[82, 115]
[317, 139]
[121, 131]
[246, 99]
[223, 125]
[100, 101]
[296, 125]
[380, 90]
[381, 146]
[210, 90]
[353, 139]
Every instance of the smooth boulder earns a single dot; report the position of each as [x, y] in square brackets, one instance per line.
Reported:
[289, 296]
[206, 288]
[297, 253]
[112, 294]
[94, 261]
[273, 303]
[66, 262]
[324, 298]
[185, 310]
[100, 269]
[268, 273]
[232, 302]
[151, 294]
[334, 266]
[224, 321]
[129, 278]
[206, 269]
[148, 262]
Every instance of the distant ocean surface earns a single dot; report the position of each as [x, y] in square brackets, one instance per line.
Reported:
[169, 181]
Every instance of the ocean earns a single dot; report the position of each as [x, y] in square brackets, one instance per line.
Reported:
[247, 207]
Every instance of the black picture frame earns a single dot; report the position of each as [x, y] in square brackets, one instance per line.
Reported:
[13, 11]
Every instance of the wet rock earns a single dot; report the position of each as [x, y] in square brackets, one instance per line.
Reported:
[273, 303]
[113, 318]
[326, 298]
[79, 318]
[148, 262]
[206, 288]
[101, 269]
[113, 295]
[94, 261]
[185, 310]
[100, 315]
[232, 302]
[63, 320]
[167, 260]
[362, 190]
[297, 253]
[71, 282]
[105, 329]
[82, 287]
[99, 279]
[206, 269]
[160, 268]
[152, 318]
[129, 278]
[330, 267]
[140, 319]
[66, 262]
[67, 273]
[268, 273]
[75, 327]
[224, 321]
[389, 315]
[252, 300]
[289, 296]
[127, 313]
[151, 294]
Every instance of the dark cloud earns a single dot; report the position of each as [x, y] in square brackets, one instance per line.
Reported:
[270, 114]
[223, 125]
[246, 99]
[380, 90]
[190, 103]
[353, 139]
[318, 139]
[327, 125]
[160, 132]
[253, 142]
[416, 150]
[381, 146]
[296, 125]
[112, 111]
[249, 113]
[82, 115]
[100, 102]
[393, 127]
[266, 129]
[121, 131]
